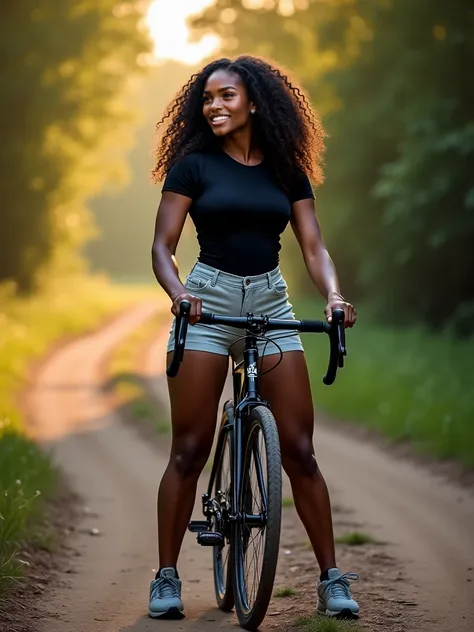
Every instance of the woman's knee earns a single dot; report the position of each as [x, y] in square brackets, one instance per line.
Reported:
[298, 457]
[189, 454]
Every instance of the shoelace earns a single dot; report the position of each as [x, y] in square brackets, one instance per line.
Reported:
[339, 586]
[164, 588]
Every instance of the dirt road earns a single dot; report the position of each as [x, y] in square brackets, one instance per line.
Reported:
[428, 524]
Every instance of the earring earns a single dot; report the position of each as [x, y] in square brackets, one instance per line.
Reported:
[252, 111]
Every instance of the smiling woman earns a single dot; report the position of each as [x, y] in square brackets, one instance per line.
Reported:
[237, 148]
[166, 22]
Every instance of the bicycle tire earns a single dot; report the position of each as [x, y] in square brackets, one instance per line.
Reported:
[259, 422]
[223, 574]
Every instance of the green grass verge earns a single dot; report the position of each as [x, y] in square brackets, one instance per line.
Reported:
[26, 478]
[128, 386]
[326, 624]
[407, 384]
[28, 327]
[287, 501]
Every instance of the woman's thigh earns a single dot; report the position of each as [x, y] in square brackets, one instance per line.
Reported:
[194, 396]
[288, 392]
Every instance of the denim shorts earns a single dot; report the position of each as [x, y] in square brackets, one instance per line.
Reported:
[231, 295]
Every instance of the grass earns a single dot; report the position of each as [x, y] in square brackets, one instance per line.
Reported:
[286, 591]
[129, 388]
[326, 624]
[28, 328]
[27, 477]
[407, 384]
[355, 538]
[287, 501]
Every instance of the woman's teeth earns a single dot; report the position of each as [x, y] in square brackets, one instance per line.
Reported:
[219, 119]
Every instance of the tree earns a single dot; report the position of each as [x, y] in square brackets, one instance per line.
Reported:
[125, 214]
[390, 79]
[66, 67]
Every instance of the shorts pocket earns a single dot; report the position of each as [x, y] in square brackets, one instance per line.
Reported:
[197, 284]
[280, 288]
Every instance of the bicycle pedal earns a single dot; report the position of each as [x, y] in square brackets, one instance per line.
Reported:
[196, 526]
[210, 538]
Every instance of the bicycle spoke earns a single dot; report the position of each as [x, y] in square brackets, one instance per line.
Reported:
[260, 478]
[253, 548]
[256, 576]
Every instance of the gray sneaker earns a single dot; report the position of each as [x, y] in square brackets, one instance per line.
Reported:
[334, 596]
[165, 596]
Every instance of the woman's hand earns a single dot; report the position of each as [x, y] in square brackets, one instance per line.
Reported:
[336, 301]
[196, 306]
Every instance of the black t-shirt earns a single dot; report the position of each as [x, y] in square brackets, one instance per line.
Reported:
[239, 211]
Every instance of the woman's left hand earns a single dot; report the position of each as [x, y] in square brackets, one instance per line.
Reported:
[336, 301]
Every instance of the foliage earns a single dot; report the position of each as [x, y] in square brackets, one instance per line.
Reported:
[125, 214]
[391, 81]
[66, 67]
[407, 384]
[26, 477]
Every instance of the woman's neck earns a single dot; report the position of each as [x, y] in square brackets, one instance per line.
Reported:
[242, 147]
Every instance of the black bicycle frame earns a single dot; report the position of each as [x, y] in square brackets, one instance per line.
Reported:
[245, 386]
[246, 396]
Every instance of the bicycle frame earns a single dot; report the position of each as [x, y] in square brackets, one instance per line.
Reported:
[225, 505]
[246, 396]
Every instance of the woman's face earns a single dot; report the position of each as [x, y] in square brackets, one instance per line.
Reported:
[226, 105]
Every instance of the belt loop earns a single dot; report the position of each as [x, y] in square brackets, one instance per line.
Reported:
[214, 277]
[269, 279]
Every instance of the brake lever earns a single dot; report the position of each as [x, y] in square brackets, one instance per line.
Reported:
[336, 343]
[341, 341]
[181, 327]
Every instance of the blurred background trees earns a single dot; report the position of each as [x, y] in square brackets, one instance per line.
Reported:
[125, 213]
[392, 80]
[66, 68]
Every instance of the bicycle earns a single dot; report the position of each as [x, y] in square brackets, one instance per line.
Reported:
[233, 520]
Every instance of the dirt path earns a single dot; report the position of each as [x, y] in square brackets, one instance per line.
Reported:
[428, 524]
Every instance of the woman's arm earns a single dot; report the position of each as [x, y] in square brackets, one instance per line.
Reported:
[318, 262]
[170, 219]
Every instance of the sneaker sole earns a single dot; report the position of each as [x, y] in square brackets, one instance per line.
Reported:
[340, 614]
[172, 613]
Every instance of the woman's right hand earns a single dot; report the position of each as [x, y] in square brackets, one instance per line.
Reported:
[196, 306]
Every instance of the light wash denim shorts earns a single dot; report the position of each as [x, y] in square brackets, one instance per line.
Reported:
[231, 295]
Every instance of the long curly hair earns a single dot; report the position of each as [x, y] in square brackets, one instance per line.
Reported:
[289, 132]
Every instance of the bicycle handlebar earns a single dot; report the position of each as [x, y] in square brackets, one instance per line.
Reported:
[335, 331]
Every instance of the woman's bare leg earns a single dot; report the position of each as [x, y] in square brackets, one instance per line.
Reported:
[287, 389]
[194, 396]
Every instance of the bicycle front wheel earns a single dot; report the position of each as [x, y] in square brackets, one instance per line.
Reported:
[256, 538]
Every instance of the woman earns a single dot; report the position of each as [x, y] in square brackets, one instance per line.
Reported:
[236, 155]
